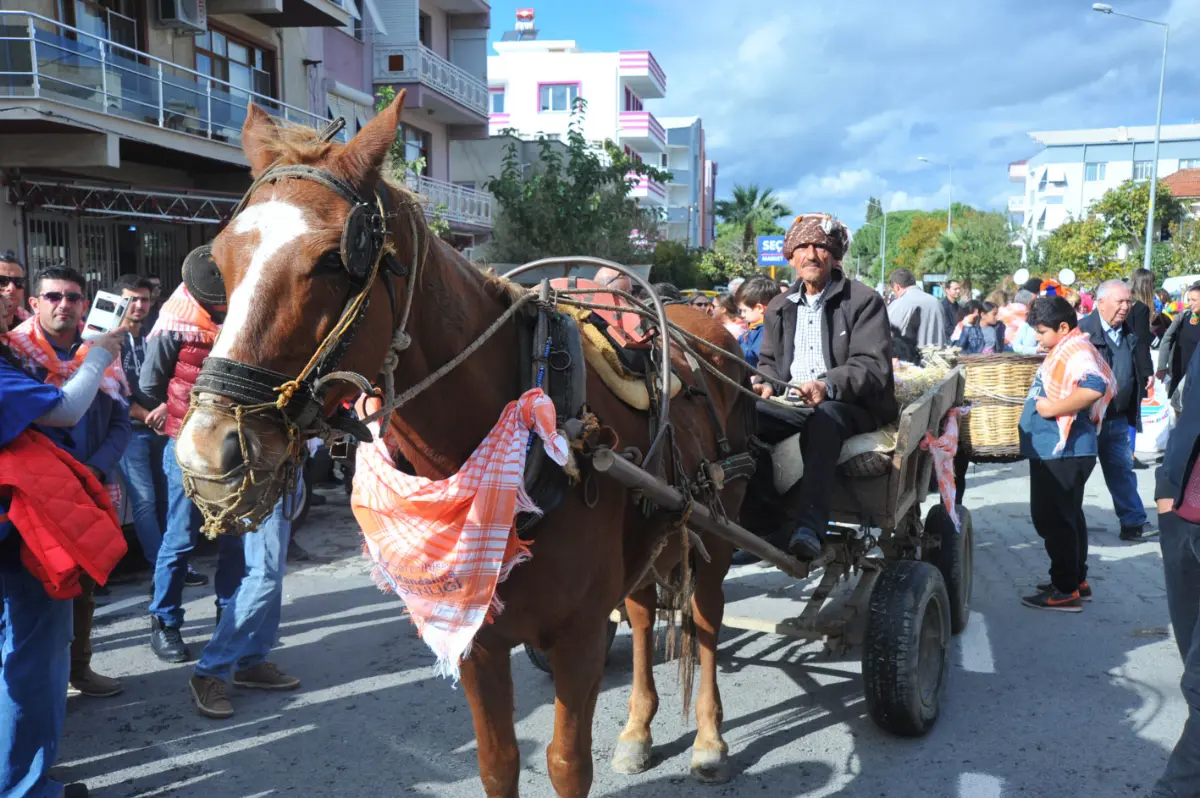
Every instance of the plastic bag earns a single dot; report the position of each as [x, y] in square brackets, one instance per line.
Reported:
[1158, 419]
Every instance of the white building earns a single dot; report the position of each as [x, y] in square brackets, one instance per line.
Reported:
[690, 189]
[1076, 167]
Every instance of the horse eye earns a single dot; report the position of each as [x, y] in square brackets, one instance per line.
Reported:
[331, 261]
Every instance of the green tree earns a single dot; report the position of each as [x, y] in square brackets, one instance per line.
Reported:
[577, 204]
[1124, 210]
[1085, 247]
[1185, 247]
[924, 234]
[979, 251]
[674, 262]
[753, 204]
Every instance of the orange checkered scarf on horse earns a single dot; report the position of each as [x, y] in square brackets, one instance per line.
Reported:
[184, 317]
[29, 343]
[1069, 362]
[445, 545]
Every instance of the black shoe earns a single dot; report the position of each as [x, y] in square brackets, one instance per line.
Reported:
[1138, 465]
[1056, 600]
[167, 643]
[805, 545]
[1137, 534]
[76, 790]
[193, 579]
[1085, 589]
[317, 500]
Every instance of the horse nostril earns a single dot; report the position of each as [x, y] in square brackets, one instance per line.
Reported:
[231, 452]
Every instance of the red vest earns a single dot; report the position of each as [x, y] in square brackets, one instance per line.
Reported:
[63, 514]
[179, 389]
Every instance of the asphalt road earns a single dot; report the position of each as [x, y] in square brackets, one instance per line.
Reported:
[1038, 704]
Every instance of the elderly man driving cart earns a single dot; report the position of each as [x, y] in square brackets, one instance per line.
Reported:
[827, 349]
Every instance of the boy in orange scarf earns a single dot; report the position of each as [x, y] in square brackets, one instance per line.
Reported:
[1058, 430]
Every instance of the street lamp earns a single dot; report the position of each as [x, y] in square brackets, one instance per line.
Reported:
[950, 203]
[1105, 8]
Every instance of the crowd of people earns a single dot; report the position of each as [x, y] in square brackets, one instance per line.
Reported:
[79, 417]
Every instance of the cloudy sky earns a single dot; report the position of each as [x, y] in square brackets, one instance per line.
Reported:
[832, 101]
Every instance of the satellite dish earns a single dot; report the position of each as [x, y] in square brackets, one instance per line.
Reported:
[1066, 277]
[1021, 277]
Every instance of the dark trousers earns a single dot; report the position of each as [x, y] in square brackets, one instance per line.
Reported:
[84, 611]
[1056, 503]
[823, 430]
[1180, 543]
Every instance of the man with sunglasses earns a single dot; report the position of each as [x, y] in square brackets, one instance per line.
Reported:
[97, 441]
[12, 288]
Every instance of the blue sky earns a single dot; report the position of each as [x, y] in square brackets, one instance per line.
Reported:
[832, 101]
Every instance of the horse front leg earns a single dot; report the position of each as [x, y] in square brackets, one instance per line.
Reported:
[710, 754]
[487, 680]
[578, 662]
[636, 742]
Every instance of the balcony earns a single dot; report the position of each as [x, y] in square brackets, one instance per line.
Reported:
[648, 193]
[287, 13]
[459, 205]
[639, 71]
[680, 175]
[455, 96]
[1016, 204]
[87, 83]
[640, 131]
[679, 215]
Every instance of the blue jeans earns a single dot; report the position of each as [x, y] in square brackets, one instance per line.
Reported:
[35, 635]
[141, 465]
[1180, 543]
[249, 625]
[183, 526]
[1116, 461]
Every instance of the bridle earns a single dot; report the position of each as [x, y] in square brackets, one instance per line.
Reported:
[367, 255]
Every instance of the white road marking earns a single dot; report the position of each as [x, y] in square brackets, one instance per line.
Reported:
[975, 648]
[277, 223]
[979, 785]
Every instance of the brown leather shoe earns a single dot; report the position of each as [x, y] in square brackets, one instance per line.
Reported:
[94, 685]
[265, 676]
[210, 694]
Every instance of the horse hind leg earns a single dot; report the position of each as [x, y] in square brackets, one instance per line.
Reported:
[487, 680]
[635, 744]
[578, 662]
[710, 754]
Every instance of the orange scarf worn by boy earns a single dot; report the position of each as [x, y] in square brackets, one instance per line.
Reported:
[1067, 364]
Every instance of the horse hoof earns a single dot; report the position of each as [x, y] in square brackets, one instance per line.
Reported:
[710, 767]
[632, 756]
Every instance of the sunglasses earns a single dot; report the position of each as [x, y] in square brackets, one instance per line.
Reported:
[54, 297]
[16, 282]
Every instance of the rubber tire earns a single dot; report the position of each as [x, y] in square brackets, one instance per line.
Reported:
[907, 596]
[956, 562]
[542, 662]
[298, 521]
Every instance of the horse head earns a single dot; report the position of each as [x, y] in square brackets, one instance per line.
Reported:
[307, 267]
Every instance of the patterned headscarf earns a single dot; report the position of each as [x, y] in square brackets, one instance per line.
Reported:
[817, 228]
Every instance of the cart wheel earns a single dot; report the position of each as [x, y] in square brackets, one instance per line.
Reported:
[906, 647]
[542, 662]
[955, 558]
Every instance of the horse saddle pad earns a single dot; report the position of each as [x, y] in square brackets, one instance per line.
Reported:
[627, 329]
[602, 356]
[788, 462]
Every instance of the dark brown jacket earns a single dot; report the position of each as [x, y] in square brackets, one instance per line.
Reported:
[858, 345]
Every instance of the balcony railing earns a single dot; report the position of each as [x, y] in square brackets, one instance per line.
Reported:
[422, 65]
[454, 203]
[44, 59]
[641, 126]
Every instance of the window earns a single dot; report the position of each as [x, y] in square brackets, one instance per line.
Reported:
[1142, 170]
[355, 26]
[557, 97]
[497, 106]
[244, 65]
[1095, 171]
[632, 155]
[425, 30]
[416, 145]
[632, 101]
[1190, 163]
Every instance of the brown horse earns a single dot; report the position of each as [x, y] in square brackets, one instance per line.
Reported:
[279, 260]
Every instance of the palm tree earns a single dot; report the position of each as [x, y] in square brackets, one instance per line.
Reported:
[752, 204]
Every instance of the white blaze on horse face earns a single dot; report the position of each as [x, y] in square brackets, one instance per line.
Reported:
[277, 223]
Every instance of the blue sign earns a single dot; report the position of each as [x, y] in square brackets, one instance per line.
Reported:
[770, 251]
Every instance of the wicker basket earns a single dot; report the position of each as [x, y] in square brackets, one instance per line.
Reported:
[996, 388]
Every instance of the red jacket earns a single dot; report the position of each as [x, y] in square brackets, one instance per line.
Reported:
[63, 514]
[179, 389]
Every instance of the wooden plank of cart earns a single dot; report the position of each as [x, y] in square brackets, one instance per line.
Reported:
[914, 576]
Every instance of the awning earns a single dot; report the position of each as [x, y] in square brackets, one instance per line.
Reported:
[373, 13]
[1056, 174]
[111, 199]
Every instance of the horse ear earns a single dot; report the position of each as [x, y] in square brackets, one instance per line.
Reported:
[361, 159]
[259, 135]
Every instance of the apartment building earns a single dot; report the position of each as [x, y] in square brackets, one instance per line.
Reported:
[437, 51]
[691, 187]
[120, 137]
[1076, 167]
